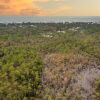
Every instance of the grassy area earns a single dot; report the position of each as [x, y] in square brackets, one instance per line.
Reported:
[23, 47]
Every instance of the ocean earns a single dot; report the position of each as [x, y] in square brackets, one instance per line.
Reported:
[48, 19]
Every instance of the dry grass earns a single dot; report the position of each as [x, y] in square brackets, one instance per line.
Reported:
[60, 69]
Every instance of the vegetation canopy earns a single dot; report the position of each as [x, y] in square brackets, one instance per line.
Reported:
[45, 60]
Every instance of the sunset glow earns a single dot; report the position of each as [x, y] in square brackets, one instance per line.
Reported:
[50, 7]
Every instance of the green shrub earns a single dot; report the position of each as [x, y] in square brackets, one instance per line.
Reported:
[97, 94]
[20, 75]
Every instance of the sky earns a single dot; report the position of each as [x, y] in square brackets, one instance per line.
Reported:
[50, 7]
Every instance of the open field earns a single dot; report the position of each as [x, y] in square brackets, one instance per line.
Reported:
[50, 61]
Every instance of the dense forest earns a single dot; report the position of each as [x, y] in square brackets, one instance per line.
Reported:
[50, 61]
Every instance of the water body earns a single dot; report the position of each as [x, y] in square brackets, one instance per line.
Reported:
[20, 19]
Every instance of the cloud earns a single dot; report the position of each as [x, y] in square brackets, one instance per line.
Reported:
[5, 1]
[61, 10]
[48, 0]
[50, 7]
[3, 7]
[15, 7]
[31, 11]
[32, 7]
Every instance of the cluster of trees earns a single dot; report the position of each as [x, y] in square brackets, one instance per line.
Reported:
[49, 27]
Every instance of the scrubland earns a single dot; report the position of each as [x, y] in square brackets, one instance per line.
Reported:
[50, 61]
